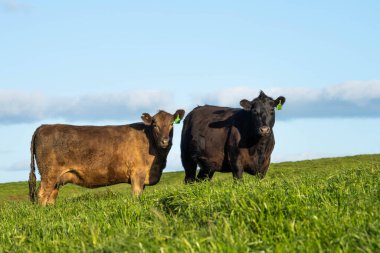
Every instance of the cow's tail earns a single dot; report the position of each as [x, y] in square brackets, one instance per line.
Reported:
[32, 175]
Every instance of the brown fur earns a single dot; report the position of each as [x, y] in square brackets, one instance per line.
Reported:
[95, 156]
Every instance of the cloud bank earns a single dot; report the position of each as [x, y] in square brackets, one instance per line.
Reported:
[20, 107]
[346, 100]
[13, 5]
[17, 166]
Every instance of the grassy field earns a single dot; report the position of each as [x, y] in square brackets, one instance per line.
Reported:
[325, 205]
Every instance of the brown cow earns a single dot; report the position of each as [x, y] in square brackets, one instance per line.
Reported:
[95, 156]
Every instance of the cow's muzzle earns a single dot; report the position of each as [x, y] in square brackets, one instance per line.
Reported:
[164, 142]
[264, 131]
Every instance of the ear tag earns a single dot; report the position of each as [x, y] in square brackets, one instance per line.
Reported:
[279, 106]
[177, 120]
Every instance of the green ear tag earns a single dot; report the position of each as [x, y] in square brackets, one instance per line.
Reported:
[177, 120]
[279, 106]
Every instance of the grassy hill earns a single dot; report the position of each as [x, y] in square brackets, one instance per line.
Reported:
[328, 205]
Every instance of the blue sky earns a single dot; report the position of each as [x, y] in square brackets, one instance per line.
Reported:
[106, 62]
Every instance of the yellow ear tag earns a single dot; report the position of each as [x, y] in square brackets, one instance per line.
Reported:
[177, 120]
[279, 106]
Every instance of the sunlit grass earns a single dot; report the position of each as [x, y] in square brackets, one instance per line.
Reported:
[329, 205]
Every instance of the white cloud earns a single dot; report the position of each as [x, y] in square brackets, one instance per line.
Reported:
[229, 96]
[348, 99]
[360, 92]
[18, 166]
[13, 5]
[22, 107]
[345, 100]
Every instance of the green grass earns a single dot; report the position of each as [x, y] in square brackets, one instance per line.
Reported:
[325, 205]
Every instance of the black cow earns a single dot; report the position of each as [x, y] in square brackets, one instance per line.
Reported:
[229, 139]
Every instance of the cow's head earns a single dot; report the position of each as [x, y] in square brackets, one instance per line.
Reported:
[161, 126]
[262, 112]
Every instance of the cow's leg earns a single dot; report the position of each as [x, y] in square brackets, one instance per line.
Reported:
[137, 182]
[190, 167]
[204, 173]
[237, 174]
[263, 165]
[41, 193]
[236, 167]
[70, 176]
[235, 164]
[53, 196]
[211, 174]
[234, 155]
[45, 191]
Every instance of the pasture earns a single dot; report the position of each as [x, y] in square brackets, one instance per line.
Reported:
[324, 205]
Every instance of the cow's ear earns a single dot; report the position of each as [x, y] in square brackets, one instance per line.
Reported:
[279, 101]
[147, 119]
[246, 104]
[178, 115]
